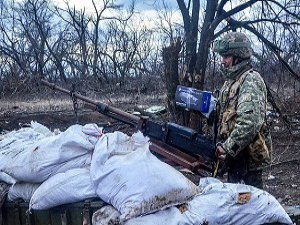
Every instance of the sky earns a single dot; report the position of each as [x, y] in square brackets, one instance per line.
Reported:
[140, 5]
[147, 8]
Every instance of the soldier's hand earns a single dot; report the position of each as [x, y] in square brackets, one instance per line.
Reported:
[220, 152]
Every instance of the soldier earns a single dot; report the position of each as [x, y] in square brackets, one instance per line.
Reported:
[244, 139]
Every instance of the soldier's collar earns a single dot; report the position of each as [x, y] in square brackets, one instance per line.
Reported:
[233, 72]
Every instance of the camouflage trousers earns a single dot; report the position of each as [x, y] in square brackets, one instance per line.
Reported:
[253, 178]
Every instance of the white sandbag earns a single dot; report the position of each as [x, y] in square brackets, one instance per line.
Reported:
[14, 142]
[22, 191]
[7, 178]
[36, 162]
[35, 129]
[26, 134]
[225, 203]
[133, 180]
[109, 215]
[93, 132]
[72, 186]
[40, 128]
[221, 203]
[106, 215]
[170, 216]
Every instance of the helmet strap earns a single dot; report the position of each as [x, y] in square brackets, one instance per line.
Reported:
[237, 60]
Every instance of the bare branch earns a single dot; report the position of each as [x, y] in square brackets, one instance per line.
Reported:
[223, 14]
[284, 8]
[221, 6]
[185, 15]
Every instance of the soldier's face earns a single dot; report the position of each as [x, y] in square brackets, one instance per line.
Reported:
[227, 61]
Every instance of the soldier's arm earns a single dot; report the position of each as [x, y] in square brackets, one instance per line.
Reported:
[250, 114]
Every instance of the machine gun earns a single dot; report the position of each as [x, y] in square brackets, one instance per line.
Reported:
[177, 143]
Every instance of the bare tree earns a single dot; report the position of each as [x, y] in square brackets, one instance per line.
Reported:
[220, 16]
[78, 22]
[33, 41]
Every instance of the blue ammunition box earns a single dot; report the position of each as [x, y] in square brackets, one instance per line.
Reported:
[192, 99]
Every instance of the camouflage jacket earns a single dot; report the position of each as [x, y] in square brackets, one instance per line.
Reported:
[243, 101]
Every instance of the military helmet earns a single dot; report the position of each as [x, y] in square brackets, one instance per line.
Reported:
[233, 43]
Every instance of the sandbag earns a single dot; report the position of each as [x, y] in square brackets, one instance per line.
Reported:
[106, 215]
[40, 128]
[226, 203]
[37, 161]
[14, 142]
[221, 203]
[109, 215]
[92, 132]
[7, 178]
[133, 180]
[169, 216]
[35, 129]
[22, 191]
[3, 191]
[68, 187]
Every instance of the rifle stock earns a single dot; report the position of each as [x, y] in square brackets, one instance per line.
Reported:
[179, 144]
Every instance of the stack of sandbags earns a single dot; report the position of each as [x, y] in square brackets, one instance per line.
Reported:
[82, 162]
[123, 172]
[218, 203]
[35, 160]
[50, 169]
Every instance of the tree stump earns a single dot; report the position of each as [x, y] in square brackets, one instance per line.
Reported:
[170, 58]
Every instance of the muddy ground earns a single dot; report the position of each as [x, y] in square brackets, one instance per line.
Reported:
[282, 178]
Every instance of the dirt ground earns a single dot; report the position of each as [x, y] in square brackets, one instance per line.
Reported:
[281, 179]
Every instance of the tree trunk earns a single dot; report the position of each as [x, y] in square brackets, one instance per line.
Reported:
[191, 31]
[170, 59]
[202, 55]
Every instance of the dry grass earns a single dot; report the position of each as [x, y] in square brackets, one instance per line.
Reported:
[35, 106]
[65, 104]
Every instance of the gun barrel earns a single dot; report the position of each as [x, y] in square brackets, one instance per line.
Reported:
[99, 106]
